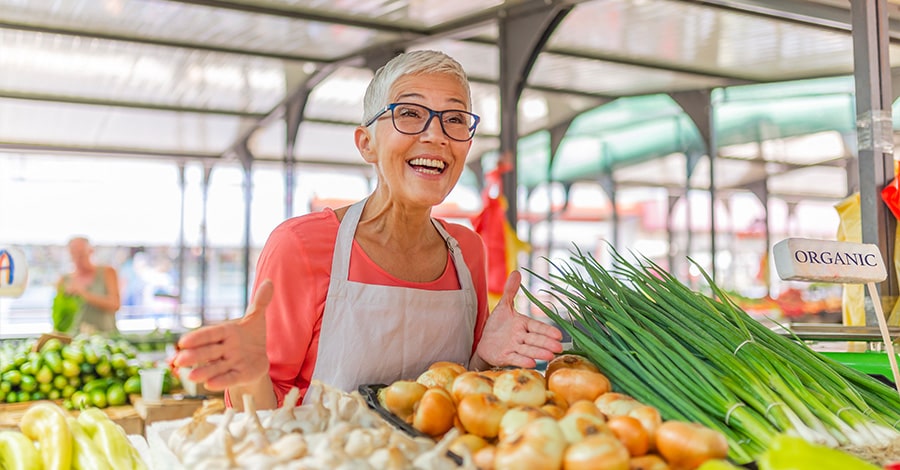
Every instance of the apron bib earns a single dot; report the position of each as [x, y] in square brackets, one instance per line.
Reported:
[380, 334]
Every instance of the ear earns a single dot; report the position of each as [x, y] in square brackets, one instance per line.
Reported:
[364, 143]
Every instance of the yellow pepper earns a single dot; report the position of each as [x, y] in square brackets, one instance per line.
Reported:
[85, 454]
[46, 424]
[109, 438]
[718, 464]
[793, 453]
[17, 452]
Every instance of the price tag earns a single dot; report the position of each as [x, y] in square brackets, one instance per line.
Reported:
[803, 259]
[13, 272]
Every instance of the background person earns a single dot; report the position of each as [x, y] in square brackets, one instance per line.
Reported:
[379, 290]
[96, 285]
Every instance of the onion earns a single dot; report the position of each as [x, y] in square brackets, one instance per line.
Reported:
[521, 387]
[469, 383]
[516, 418]
[453, 365]
[553, 399]
[435, 412]
[467, 443]
[576, 384]
[484, 457]
[401, 396]
[687, 445]
[438, 377]
[492, 373]
[585, 406]
[569, 361]
[616, 404]
[481, 413]
[577, 426]
[597, 452]
[554, 411]
[539, 445]
[648, 462]
[632, 433]
[650, 420]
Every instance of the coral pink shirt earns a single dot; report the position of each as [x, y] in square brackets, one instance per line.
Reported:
[297, 258]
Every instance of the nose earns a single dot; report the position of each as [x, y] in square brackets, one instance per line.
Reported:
[433, 130]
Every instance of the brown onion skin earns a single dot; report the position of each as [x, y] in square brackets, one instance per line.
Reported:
[576, 384]
[632, 433]
[569, 361]
[452, 365]
[438, 377]
[585, 406]
[538, 445]
[521, 387]
[435, 412]
[596, 452]
[648, 462]
[480, 414]
[484, 457]
[401, 397]
[470, 442]
[616, 404]
[685, 446]
[516, 418]
[650, 419]
[554, 411]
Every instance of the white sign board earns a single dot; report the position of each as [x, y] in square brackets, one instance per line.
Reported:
[13, 272]
[802, 259]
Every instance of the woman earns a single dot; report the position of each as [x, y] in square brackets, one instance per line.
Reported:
[96, 285]
[376, 291]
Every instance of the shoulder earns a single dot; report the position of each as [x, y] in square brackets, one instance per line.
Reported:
[309, 233]
[467, 238]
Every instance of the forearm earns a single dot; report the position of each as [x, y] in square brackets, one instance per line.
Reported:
[478, 364]
[107, 304]
[263, 393]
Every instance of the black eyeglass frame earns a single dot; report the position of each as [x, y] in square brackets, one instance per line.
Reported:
[431, 114]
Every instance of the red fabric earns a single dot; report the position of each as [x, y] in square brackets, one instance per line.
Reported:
[297, 258]
[891, 196]
[490, 223]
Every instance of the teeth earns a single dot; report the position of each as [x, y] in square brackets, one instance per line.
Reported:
[427, 162]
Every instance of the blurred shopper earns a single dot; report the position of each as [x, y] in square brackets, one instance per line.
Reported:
[98, 288]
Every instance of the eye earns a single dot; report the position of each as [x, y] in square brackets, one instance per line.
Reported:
[455, 117]
[411, 112]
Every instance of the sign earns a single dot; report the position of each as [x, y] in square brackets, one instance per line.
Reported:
[803, 259]
[13, 272]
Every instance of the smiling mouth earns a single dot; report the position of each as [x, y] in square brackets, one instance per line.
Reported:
[428, 165]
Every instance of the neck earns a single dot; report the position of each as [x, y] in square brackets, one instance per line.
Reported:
[393, 223]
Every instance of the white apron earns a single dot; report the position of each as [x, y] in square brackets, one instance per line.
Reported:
[379, 334]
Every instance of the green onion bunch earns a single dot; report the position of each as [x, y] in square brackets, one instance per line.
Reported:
[702, 358]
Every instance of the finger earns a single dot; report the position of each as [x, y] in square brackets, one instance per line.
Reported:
[543, 342]
[222, 381]
[261, 299]
[511, 287]
[205, 373]
[202, 337]
[519, 360]
[535, 352]
[202, 355]
[541, 328]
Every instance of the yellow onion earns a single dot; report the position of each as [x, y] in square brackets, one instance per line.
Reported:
[481, 413]
[401, 396]
[576, 384]
[554, 411]
[650, 419]
[492, 373]
[585, 406]
[687, 445]
[453, 365]
[467, 443]
[435, 412]
[469, 383]
[438, 377]
[516, 418]
[596, 452]
[539, 445]
[616, 404]
[553, 399]
[569, 361]
[484, 458]
[630, 431]
[521, 387]
[577, 426]
[648, 462]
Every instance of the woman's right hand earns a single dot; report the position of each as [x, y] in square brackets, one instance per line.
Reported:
[232, 353]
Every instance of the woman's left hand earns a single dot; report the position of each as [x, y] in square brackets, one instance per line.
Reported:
[513, 339]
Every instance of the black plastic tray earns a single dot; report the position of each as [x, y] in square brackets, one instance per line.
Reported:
[370, 393]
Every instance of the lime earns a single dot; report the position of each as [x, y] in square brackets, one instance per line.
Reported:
[115, 395]
[28, 384]
[98, 398]
[70, 368]
[80, 400]
[44, 375]
[60, 382]
[133, 385]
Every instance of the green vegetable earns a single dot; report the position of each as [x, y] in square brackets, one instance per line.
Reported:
[85, 453]
[793, 453]
[98, 398]
[70, 368]
[64, 309]
[115, 395]
[717, 464]
[28, 384]
[17, 452]
[53, 360]
[133, 385]
[46, 424]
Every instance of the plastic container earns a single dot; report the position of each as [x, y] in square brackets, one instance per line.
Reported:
[152, 384]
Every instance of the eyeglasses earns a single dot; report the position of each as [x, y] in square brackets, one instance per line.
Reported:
[412, 119]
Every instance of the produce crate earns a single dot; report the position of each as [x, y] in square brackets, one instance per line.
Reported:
[125, 416]
[169, 409]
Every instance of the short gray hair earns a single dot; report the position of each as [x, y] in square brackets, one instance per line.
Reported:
[410, 63]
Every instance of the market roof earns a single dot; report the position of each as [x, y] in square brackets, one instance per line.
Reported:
[191, 78]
